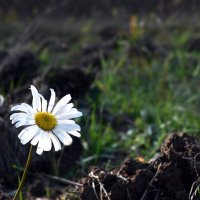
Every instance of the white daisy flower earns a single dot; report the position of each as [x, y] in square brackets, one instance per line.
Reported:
[46, 123]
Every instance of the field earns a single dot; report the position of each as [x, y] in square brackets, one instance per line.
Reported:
[135, 79]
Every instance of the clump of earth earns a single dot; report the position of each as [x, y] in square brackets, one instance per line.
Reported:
[171, 175]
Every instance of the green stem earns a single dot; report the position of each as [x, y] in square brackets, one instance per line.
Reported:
[24, 174]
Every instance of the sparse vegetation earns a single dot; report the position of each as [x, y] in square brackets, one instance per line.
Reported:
[133, 87]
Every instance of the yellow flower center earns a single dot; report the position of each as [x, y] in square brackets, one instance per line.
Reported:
[45, 120]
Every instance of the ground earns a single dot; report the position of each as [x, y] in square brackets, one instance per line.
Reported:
[135, 78]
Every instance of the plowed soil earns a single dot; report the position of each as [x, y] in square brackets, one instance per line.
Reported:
[172, 175]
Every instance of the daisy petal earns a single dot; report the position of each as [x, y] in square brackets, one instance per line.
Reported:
[25, 122]
[36, 139]
[39, 150]
[44, 104]
[36, 99]
[16, 115]
[20, 108]
[52, 100]
[40, 147]
[65, 121]
[75, 133]
[20, 118]
[68, 127]
[69, 106]
[29, 134]
[29, 108]
[45, 141]
[70, 115]
[55, 141]
[63, 137]
[61, 103]
[24, 131]
[64, 110]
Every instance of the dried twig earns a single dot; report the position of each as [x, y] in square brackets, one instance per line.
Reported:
[92, 175]
[63, 180]
[94, 188]
[150, 183]
[195, 165]
[127, 190]
[194, 189]
[124, 179]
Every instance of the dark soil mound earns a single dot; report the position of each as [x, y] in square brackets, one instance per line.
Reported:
[170, 176]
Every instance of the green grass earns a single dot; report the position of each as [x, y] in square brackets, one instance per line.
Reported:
[159, 95]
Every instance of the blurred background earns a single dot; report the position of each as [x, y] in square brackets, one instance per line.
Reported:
[132, 67]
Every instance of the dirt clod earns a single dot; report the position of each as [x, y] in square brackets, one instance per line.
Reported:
[169, 177]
